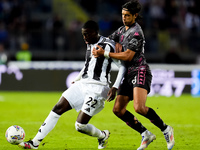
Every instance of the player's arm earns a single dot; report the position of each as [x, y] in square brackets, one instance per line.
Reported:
[125, 56]
[120, 75]
[133, 46]
[78, 77]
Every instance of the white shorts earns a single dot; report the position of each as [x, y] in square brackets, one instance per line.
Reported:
[87, 97]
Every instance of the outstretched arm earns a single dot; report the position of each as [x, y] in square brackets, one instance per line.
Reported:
[125, 56]
[78, 77]
[122, 69]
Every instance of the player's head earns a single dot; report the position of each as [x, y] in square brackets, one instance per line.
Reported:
[130, 12]
[90, 32]
[132, 6]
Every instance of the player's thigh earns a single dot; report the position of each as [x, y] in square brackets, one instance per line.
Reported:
[94, 99]
[126, 89]
[92, 105]
[141, 87]
[75, 95]
[140, 97]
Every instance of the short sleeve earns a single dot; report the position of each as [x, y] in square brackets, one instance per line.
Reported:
[135, 43]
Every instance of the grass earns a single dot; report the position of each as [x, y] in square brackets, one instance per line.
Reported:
[29, 110]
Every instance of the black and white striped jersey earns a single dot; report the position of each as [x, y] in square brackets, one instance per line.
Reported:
[98, 69]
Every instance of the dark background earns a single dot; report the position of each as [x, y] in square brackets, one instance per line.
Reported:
[52, 28]
[54, 80]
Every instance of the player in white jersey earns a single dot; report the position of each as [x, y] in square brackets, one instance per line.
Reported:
[88, 92]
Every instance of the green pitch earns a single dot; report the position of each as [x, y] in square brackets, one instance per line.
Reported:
[29, 110]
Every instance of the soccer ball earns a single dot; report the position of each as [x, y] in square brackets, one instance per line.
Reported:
[15, 134]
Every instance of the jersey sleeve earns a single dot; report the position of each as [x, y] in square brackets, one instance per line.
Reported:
[136, 42]
[108, 45]
[121, 72]
[115, 35]
[78, 77]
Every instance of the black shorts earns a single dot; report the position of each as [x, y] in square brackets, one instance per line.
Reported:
[139, 79]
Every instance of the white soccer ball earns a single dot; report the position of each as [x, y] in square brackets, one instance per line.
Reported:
[15, 134]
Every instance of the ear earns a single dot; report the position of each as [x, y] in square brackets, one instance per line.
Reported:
[136, 15]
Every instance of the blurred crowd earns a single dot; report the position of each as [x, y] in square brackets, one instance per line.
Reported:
[172, 28]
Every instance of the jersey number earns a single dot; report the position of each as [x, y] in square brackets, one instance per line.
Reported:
[92, 102]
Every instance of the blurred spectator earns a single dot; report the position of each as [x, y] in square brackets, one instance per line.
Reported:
[192, 23]
[24, 54]
[192, 20]
[105, 25]
[3, 33]
[58, 31]
[35, 27]
[172, 57]
[3, 55]
[87, 5]
[163, 21]
[74, 34]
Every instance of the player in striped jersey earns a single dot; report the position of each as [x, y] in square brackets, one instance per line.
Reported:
[88, 93]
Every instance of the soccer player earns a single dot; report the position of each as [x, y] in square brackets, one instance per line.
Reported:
[88, 92]
[137, 80]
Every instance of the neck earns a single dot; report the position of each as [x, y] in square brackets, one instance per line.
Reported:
[128, 26]
[95, 40]
[98, 37]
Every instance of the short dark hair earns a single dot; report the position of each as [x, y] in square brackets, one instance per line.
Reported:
[133, 6]
[91, 25]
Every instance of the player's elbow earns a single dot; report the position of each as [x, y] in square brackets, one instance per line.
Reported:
[128, 55]
[127, 58]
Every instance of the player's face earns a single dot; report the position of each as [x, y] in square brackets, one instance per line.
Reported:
[90, 36]
[127, 18]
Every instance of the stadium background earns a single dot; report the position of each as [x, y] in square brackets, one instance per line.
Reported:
[51, 28]
[52, 31]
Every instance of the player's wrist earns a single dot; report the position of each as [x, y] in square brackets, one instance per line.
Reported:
[115, 88]
[106, 54]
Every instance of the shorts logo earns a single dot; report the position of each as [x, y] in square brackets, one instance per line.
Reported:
[87, 109]
[134, 80]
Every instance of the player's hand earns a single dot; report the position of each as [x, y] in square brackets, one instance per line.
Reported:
[118, 48]
[111, 94]
[97, 52]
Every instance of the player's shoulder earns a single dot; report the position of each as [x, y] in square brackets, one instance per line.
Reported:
[137, 27]
[136, 31]
[107, 41]
[121, 28]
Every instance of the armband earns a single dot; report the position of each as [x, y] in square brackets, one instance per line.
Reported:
[106, 54]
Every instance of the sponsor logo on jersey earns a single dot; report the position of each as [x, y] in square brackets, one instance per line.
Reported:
[136, 34]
